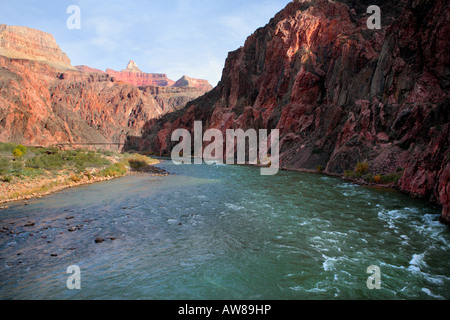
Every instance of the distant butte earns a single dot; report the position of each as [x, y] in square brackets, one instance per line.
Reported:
[44, 100]
[135, 76]
[185, 81]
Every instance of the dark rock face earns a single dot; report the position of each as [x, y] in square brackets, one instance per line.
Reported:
[340, 93]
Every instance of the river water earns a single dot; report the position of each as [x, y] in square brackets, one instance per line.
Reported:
[224, 232]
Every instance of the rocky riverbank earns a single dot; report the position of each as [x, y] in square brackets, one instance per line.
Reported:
[37, 172]
[338, 93]
[35, 188]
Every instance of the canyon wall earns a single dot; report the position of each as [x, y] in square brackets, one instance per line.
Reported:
[339, 93]
[26, 43]
[45, 101]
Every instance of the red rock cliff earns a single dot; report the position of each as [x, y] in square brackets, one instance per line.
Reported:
[340, 93]
[44, 100]
[185, 81]
[26, 43]
[133, 75]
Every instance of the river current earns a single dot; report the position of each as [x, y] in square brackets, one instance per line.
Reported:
[224, 232]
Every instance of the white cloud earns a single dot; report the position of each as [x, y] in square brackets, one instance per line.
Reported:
[176, 37]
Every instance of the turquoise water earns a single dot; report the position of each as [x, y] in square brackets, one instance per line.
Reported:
[224, 232]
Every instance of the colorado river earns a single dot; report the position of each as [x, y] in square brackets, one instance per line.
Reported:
[224, 232]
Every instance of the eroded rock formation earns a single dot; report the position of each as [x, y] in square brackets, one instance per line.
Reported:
[26, 43]
[340, 93]
[133, 75]
[44, 100]
[186, 81]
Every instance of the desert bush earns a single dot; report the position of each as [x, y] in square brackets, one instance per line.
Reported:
[136, 164]
[115, 170]
[22, 148]
[46, 161]
[105, 152]
[391, 178]
[30, 172]
[77, 159]
[351, 174]
[7, 147]
[17, 153]
[17, 166]
[362, 168]
[138, 161]
[75, 178]
[4, 165]
[85, 159]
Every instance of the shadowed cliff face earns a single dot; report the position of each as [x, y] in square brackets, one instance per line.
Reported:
[340, 93]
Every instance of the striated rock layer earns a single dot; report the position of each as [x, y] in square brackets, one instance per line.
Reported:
[185, 81]
[340, 93]
[26, 43]
[133, 75]
[140, 78]
[44, 100]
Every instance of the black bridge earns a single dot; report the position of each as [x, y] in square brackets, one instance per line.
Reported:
[87, 144]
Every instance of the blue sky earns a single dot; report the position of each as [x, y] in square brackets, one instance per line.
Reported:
[176, 37]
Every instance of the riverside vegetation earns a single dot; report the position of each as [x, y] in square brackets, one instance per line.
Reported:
[362, 174]
[29, 172]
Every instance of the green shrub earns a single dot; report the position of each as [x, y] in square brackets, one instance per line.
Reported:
[4, 165]
[391, 178]
[17, 153]
[362, 168]
[138, 161]
[30, 172]
[105, 152]
[17, 166]
[7, 147]
[47, 162]
[351, 174]
[115, 170]
[75, 178]
[137, 165]
[22, 148]
[82, 159]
